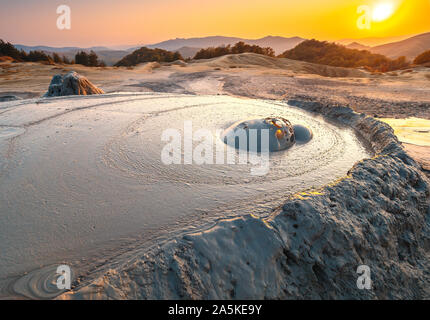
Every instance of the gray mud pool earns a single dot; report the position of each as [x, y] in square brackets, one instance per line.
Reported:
[83, 177]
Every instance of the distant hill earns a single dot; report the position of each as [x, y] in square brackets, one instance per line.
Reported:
[410, 48]
[175, 44]
[392, 47]
[109, 56]
[56, 49]
[279, 44]
[358, 46]
[372, 41]
[188, 52]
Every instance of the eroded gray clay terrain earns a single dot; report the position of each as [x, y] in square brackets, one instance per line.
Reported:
[85, 188]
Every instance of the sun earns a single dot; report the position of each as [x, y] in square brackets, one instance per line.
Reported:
[382, 11]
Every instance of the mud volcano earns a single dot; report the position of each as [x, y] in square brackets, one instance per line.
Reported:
[82, 178]
[310, 248]
[272, 134]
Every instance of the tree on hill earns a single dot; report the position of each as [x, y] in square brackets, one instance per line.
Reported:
[81, 58]
[89, 60]
[37, 56]
[60, 59]
[331, 54]
[66, 60]
[8, 49]
[212, 52]
[56, 58]
[423, 58]
[148, 55]
[93, 59]
[240, 47]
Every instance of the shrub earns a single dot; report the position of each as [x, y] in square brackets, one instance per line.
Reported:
[240, 47]
[331, 54]
[148, 55]
[423, 58]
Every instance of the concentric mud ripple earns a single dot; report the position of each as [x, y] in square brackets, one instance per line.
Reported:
[137, 152]
[88, 172]
[39, 284]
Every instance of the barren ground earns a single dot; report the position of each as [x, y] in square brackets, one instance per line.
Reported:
[387, 222]
[402, 94]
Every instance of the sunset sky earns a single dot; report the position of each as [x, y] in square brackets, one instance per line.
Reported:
[114, 22]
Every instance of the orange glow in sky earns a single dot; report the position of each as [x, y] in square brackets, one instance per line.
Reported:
[114, 22]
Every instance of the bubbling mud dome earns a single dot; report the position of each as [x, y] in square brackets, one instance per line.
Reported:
[280, 135]
[81, 174]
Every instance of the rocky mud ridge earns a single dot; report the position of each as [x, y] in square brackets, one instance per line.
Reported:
[378, 215]
[71, 84]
